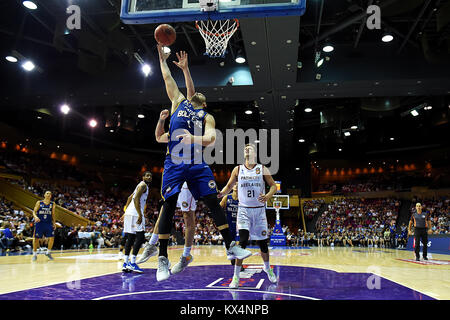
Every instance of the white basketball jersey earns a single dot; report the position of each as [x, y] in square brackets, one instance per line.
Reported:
[131, 209]
[250, 186]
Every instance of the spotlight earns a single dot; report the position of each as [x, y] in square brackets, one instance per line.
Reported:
[392, 139]
[308, 109]
[166, 50]
[301, 140]
[248, 112]
[340, 149]
[387, 37]
[28, 65]
[428, 108]
[414, 113]
[29, 5]
[320, 63]
[298, 169]
[65, 109]
[93, 123]
[347, 133]
[328, 48]
[354, 127]
[240, 59]
[11, 59]
[146, 69]
[141, 116]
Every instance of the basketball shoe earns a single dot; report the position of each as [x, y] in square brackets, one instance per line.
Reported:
[234, 283]
[272, 277]
[237, 252]
[134, 267]
[163, 269]
[149, 251]
[180, 266]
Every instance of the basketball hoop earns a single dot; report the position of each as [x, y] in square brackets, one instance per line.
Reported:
[216, 35]
[277, 205]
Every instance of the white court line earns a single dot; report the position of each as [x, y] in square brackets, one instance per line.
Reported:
[260, 284]
[186, 290]
[213, 283]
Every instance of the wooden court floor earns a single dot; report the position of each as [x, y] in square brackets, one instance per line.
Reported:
[316, 273]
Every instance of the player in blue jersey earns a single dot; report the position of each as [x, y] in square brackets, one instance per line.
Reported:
[230, 204]
[44, 219]
[190, 129]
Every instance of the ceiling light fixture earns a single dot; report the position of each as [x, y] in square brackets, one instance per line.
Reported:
[11, 59]
[29, 5]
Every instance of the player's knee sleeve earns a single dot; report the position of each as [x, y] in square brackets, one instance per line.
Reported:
[130, 240]
[140, 239]
[217, 213]
[244, 235]
[166, 216]
[263, 246]
[124, 240]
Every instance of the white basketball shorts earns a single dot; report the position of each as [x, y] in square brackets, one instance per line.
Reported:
[186, 201]
[254, 220]
[130, 224]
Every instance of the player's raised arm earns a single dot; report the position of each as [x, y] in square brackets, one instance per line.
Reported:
[183, 65]
[273, 186]
[230, 184]
[160, 135]
[172, 90]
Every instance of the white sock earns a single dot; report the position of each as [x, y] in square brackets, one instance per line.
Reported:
[186, 251]
[266, 265]
[34, 253]
[133, 258]
[125, 259]
[154, 239]
[237, 270]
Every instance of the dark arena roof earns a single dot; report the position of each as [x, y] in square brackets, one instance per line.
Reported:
[363, 83]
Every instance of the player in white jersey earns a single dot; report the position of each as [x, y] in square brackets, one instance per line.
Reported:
[188, 205]
[251, 217]
[134, 222]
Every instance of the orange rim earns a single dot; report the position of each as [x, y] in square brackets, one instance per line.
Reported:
[218, 34]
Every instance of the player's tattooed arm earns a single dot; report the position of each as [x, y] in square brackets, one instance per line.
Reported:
[160, 135]
[137, 201]
[208, 139]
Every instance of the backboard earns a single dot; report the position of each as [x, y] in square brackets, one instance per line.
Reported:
[166, 11]
[284, 199]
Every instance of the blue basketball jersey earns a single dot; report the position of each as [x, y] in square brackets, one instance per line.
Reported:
[44, 212]
[231, 211]
[190, 119]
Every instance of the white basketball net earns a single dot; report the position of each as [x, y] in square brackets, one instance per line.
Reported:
[216, 35]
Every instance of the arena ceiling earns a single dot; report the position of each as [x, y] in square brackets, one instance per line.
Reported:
[95, 71]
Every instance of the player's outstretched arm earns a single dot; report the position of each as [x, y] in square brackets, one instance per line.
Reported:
[160, 135]
[184, 65]
[172, 90]
[230, 184]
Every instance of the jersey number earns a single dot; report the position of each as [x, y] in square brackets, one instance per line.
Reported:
[251, 193]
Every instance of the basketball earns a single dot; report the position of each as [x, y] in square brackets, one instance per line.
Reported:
[165, 34]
